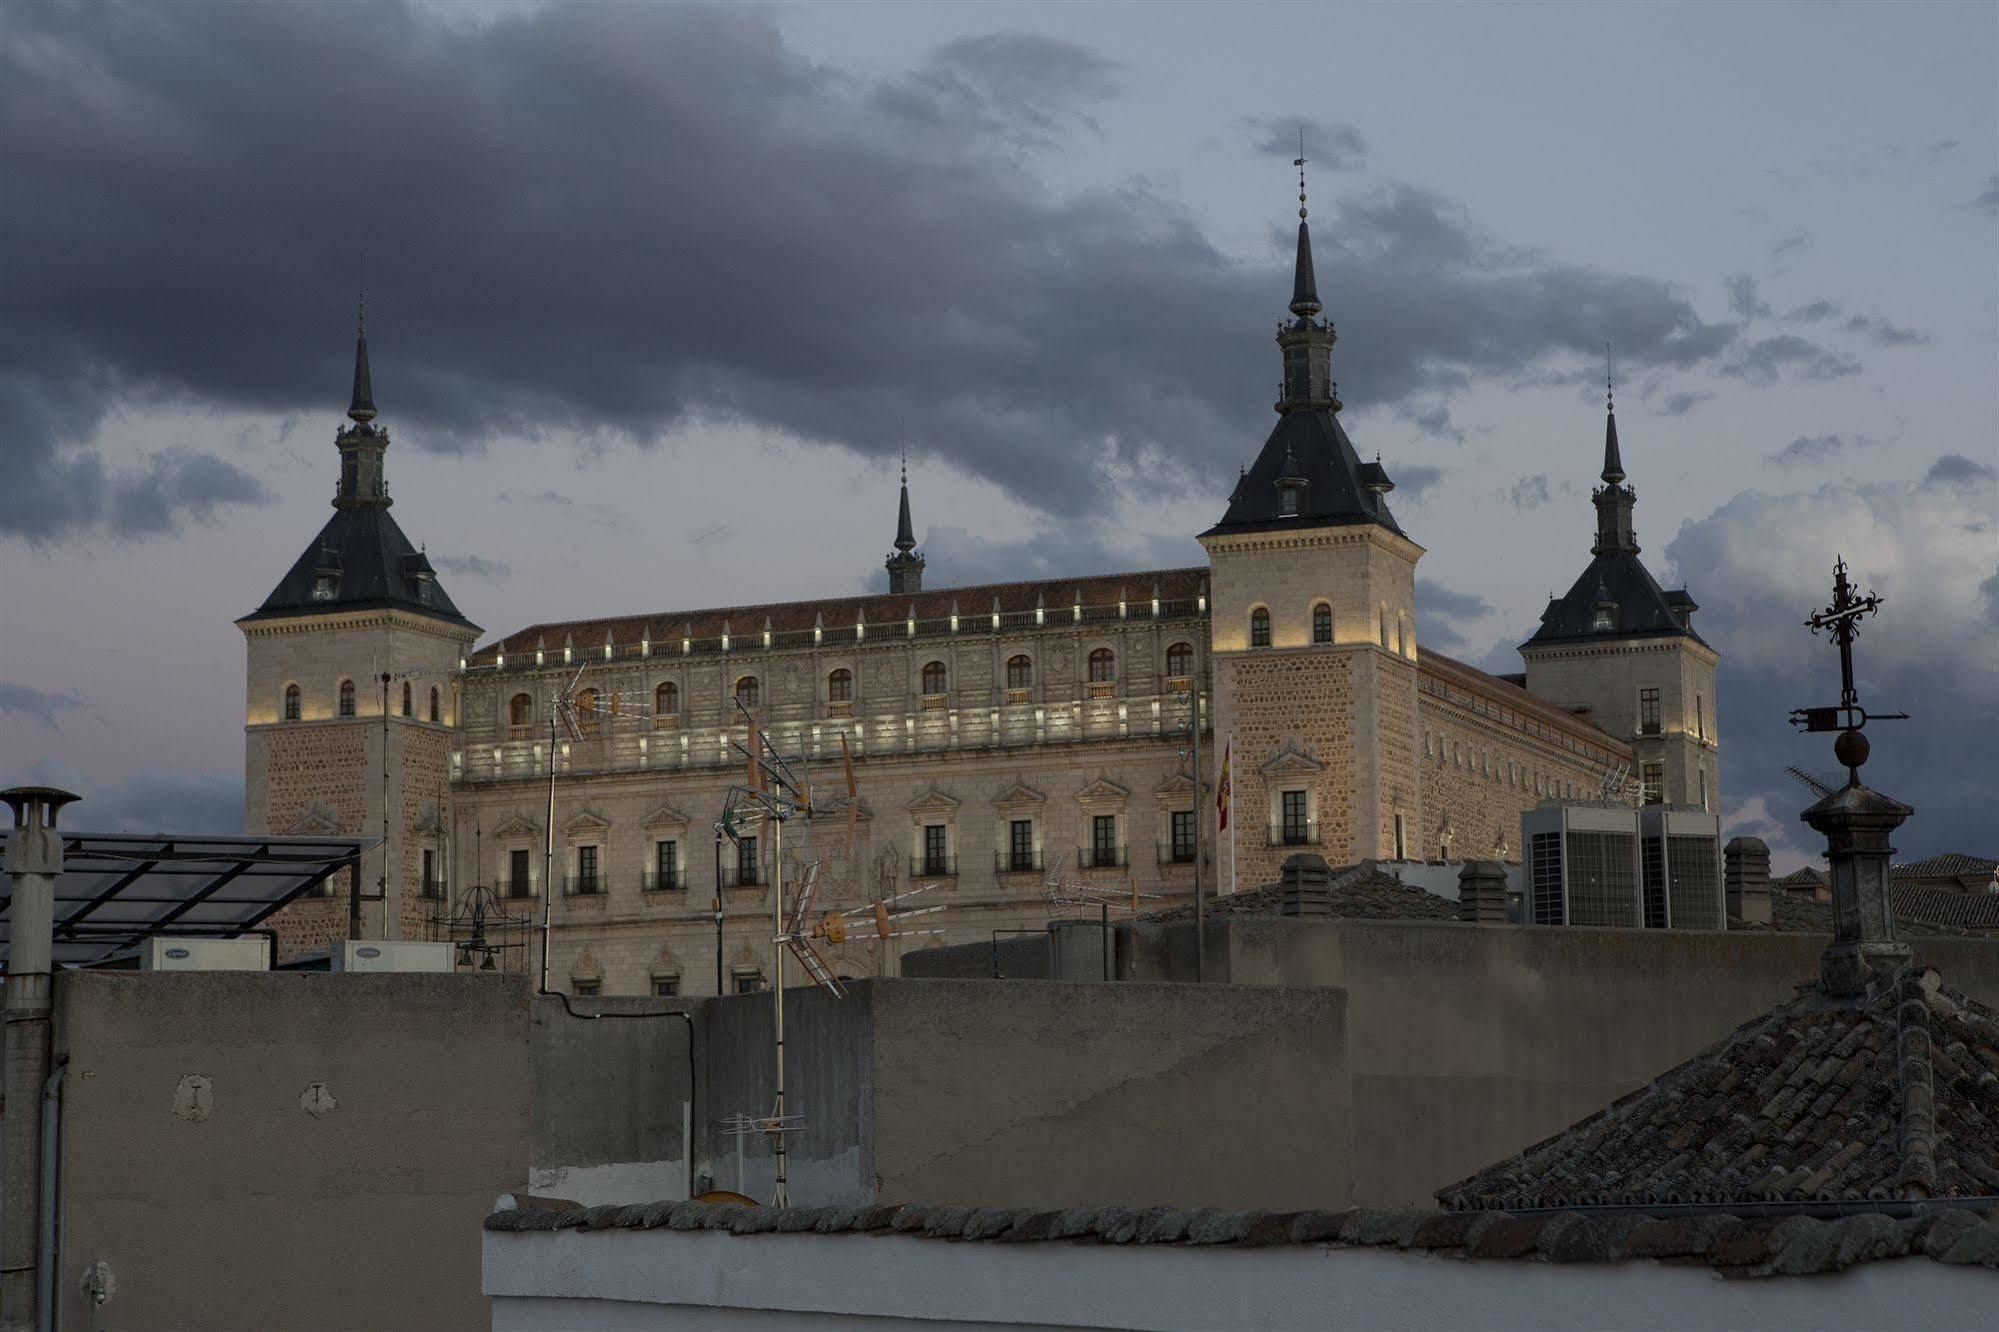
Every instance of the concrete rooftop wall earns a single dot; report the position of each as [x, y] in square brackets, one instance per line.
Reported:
[612, 1097]
[1468, 1043]
[1050, 1092]
[287, 1150]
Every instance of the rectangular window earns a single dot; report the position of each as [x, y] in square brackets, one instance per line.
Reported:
[746, 862]
[518, 882]
[666, 866]
[1648, 712]
[586, 989]
[1401, 845]
[1103, 839]
[428, 887]
[666, 987]
[586, 869]
[1654, 777]
[1296, 827]
[1020, 844]
[936, 849]
[748, 982]
[1703, 773]
[1183, 836]
[1700, 717]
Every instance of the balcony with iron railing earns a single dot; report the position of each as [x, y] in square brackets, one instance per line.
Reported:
[742, 876]
[663, 881]
[1103, 857]
[431, 889]
[1295, 833]
[520, 888]
[1018, 862]
[585, 885]
[1176, 853]
[934, 867]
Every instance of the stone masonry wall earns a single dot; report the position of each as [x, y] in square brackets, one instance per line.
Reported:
[1294, 713]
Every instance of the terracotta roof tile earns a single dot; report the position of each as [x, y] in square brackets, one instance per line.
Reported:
[1890, 1097]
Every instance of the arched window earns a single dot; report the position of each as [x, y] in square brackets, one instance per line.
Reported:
[1322, 623]
[840, 686]
[409, 709]
[520, 716]
[1019, 672]
[346, 698]
[1180, 661]
[435, 714]
[748, 691]
[1384, 627]
[933, 677]
[1259, 627]
[1103, 666]
[586, 712]
[666, 700]
[291, 702]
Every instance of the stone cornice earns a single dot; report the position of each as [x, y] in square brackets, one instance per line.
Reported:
[1622, 647]
[346, 621]
[1343, 534]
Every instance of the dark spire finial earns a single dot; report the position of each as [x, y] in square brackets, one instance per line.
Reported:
[361, 406]
[1613, 464]
[1304, 285]
[905, 532]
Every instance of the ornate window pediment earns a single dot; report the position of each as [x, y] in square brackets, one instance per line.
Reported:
[934, 801]
[518, 825]
[584, 824]
[1175, 789]
[1019, 796]
[430, 823]
[1291, 761]
[1102, 791]
[586, 968]
[666, 816]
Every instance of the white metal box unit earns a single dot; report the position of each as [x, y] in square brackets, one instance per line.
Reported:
[166, 952]
[1582, 863]
[1679, 849]
[394, 955]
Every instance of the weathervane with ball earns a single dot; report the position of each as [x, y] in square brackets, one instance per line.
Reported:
[1842, 619]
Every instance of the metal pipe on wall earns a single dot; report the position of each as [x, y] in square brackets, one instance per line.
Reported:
[34, 860]
[45, 1246]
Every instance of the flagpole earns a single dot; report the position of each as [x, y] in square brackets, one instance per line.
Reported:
[1232, 818]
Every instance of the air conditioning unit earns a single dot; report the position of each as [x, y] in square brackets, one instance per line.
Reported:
[168, 953]
[394, 955]
[1680, 847]
[1582, 864]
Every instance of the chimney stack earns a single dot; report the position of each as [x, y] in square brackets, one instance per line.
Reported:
[1746, 875]
[1482, 892]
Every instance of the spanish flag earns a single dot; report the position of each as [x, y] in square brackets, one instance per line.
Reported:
[1222, 792]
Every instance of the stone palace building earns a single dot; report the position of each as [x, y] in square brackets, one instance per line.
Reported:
[1011, 742]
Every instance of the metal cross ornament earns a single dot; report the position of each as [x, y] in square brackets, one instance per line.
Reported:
[1841, 619]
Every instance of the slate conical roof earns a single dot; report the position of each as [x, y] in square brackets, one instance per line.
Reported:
[1892, 1094]
[379, 568]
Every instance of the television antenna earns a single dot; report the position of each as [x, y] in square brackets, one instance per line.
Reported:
[1812, 782]
[1063, 889]
[1617, 784]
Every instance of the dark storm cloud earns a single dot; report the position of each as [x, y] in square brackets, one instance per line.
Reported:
[1987, 201]
[1412, 480]
[1954, 469]
[1988, 593]
[618, 219]
[1884, 333]
[1529, 492]
[1743, 302]
[1438, 608]
[1328, 146]
[1813, 313]
[959, 557]
[37, 704]
[1761, 362]
[150, 803]
[1760, 563]
[1817, 449]
[1679, 404]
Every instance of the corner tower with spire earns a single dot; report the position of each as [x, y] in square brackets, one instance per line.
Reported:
[1314, 624]
[1622, 650]
[330, 745]
[905, 562]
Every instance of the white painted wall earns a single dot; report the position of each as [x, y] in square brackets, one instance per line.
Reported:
[659, 1280]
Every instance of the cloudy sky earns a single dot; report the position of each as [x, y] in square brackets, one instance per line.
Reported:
[657, 295]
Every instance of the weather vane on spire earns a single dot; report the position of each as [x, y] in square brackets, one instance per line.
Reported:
[1609, 380]
[1299, 162]
[1841, 618]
